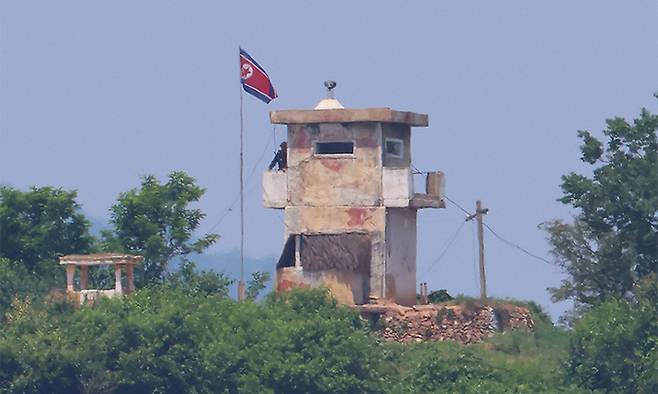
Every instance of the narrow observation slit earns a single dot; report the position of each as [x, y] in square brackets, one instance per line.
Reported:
[334, 148]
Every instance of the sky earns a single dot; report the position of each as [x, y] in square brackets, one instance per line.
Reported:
[95, 94]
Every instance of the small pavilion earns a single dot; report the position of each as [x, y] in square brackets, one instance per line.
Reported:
[118, 260]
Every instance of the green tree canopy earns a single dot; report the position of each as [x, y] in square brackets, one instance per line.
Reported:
[38, 225]
[613, 242]
[165, 340]
[155, 221]
[615, 345]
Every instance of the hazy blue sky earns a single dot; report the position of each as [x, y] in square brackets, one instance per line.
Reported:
[96, 93]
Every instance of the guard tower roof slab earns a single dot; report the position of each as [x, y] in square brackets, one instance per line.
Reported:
[384, 115]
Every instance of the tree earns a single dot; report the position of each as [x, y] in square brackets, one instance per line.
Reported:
[155, 221]
[166, 340]
[17, 282]
[256, 284]
[615, 345]
[38, 225]
[198, 283]
[613, 242]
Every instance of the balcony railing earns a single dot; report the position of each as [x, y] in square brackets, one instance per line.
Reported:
[275, 189]
[398, 189]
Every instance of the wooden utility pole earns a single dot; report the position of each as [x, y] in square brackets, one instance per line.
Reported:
[483, 276]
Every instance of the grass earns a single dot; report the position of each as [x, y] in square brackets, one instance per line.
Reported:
[512, 361]
[515, 361]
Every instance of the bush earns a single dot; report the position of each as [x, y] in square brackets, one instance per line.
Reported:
[166, 340]
[614, 345]
[438, 296]
[448, 367]
[17, 282]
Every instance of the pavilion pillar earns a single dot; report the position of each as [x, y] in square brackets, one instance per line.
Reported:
[84, 277]
[117, 279]
[130, 277]
[70, 273]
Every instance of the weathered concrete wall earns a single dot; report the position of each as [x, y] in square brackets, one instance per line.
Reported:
[400, 132]
[340, 262]
[346, 287]
[343, 194]
[275, 189]
[397, 186]
[334, 180]
[333, 220]
[352, 115]
[338, 220]
[401, 255]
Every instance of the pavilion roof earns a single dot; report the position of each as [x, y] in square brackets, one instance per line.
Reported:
[100, 259]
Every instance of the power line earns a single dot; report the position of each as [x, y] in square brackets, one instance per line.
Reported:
[262, 154]
[445, 249]
[416, 170]
[512, 244]
[228, 210]
[457, 205]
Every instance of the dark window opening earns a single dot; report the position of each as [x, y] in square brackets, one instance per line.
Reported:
[287, 258]
[394, 147]
[334, 148]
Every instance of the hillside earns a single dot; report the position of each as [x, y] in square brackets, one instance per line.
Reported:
[164, 340]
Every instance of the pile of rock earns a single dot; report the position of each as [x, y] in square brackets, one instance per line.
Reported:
[461, 323]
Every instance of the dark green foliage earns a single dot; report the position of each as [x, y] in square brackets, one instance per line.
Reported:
[193, 282]
[612, 242]
[16, 280]
[610, 254]
[257, 284]
[453, 368]
[163, 340]
[156, 222]
[615, 345]
[169, 339]
[438, 296]
[533, 366]
[38, 225]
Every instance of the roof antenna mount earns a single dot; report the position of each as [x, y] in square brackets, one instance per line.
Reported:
[329, 102]
[330, 85]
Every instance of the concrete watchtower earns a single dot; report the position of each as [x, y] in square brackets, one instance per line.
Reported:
[349, 201]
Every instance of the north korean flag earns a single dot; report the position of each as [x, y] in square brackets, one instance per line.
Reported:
[254, 78]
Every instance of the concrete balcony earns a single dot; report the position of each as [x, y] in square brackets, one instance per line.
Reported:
[398, 189]
[434, 189]
[275, 189]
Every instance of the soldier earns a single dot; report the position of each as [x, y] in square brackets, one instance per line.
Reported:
[280, 158]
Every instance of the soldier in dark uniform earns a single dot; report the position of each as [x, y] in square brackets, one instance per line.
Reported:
[280, 158]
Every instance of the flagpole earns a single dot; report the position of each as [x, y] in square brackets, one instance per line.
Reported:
[241, 283]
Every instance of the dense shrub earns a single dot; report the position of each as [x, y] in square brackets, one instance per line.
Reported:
[615, 344]
[163, 340]
[17, 281]
[533, 366]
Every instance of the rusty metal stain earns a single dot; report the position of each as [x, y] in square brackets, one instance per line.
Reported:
[332, 164]
[339, 283]
[300, 138]
[358, 216]
[285, 284]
